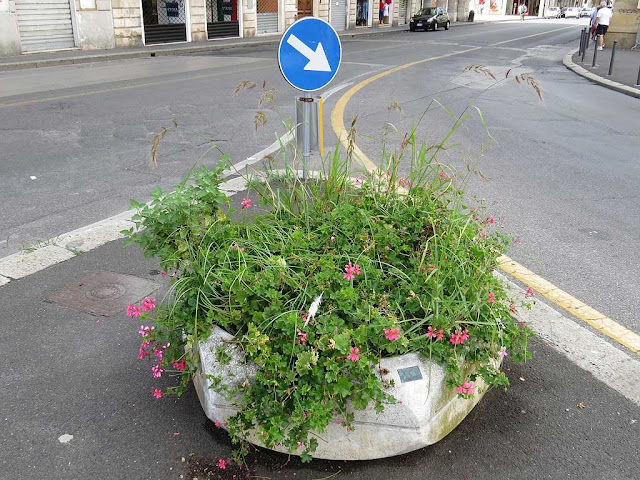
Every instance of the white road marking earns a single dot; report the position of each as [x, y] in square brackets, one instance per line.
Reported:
[608, 364]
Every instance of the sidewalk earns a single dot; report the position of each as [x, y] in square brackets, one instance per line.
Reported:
[76, 56]
[625, 72]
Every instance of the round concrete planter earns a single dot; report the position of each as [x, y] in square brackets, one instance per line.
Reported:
[427, 410]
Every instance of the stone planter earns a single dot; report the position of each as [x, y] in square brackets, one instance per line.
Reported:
[427, 410]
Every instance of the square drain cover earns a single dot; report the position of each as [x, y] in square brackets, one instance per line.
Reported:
[103, 293]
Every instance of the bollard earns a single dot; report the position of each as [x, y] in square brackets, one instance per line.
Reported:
[595, 51]
[638, 80]
[613, 55]
[584, 50]
[581, 43]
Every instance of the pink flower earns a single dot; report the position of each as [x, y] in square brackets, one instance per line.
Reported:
[440, 335]
[216, 422]
[301, 444]
[144, 331]
[512, 308]
[351, 271]
[353, 356]
[157, 371]
[143, 353]
[458, 337]
[465, 389]
[530, 292]
[431, 333]
[490, 220]
[158, 353]
[148, 304]
[157, 393]
[492, 297]
[222, 464]
[133, 310]
[302, 337]
[392, 333]
[180, 365]
[503, 352]
[246, 203]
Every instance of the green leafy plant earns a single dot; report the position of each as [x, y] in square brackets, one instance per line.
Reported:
[326, 276]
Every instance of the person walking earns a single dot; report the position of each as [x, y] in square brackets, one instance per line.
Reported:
[603, 19]
[592, 22]
[522, 10]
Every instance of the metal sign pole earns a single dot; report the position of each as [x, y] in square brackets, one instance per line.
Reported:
[306, 133]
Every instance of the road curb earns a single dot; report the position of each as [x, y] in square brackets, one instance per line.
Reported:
[618, 87]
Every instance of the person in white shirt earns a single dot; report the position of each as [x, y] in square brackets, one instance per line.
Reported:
[602, 22]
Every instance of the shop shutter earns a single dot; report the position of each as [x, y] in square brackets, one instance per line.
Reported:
[44, 24]
[339, 14]
[267, 16]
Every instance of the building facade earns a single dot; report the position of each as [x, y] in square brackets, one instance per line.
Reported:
[40, 25]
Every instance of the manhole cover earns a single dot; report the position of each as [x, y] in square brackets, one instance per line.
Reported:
[103, 293]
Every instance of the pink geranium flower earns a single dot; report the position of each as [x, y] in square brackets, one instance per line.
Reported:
[530, 292]
[133, 310]
[157, 371]
[144, 331]
[222, 464]
[159, 353]
[512, 308]
[180, 365]
[351, 271]
[246, 203]
[216, 422]
[492, 297]
[431, 333]
[302, 336]
[458, 337]
[503, 352]
[143, 353]
[157, 393]
[392, 333]
[353, 356]
[148, 304]
[490, 220]
[465, 389]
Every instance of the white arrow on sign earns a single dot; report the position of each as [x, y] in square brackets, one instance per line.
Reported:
[317, 60]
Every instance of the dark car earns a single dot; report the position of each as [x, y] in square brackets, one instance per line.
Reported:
[430, 19]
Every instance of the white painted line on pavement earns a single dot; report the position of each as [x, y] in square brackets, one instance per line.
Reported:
[607, 363]
[20, 265]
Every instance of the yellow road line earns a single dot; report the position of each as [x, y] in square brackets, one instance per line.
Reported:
[127, 87]
[597, 320]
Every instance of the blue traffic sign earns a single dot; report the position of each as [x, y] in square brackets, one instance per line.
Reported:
[309, 54]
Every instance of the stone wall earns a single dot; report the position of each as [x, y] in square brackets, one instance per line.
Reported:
[624, 23]
[127, 24]
[198, 17]
[9, 34]
[94, 27]
[290, 12]
[249, 18]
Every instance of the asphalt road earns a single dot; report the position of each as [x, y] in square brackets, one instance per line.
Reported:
[560, 173]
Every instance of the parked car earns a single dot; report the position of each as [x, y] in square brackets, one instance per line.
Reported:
[586, 12]
[552, 12]
[571, 12]
[430, 19]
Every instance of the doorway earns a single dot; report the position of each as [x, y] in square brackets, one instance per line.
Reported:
[222, 18]
[164, 21]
